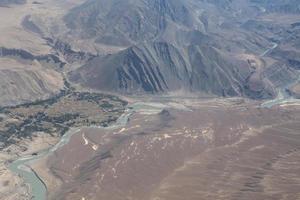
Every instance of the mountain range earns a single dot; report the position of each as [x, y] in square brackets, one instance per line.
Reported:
[245, 48]
[213, 47]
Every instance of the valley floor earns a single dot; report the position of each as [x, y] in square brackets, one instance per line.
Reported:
[154, 147]
[182, 149]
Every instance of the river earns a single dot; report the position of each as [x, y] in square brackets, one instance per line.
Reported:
[36, 186]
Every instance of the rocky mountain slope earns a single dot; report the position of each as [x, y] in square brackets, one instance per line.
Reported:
[160, 67]
[222, 48]
[214, 47]
[56, 55]
[122, 23]
[26, 81]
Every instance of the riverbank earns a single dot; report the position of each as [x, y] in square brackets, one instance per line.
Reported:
[46, 183]
[41, 183]
[30, 130]
[13, 186]
[184, 147]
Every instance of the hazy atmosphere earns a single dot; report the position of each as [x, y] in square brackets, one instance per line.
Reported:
[149, 99]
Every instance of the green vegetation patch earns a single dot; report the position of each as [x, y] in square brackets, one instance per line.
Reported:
[57, 114]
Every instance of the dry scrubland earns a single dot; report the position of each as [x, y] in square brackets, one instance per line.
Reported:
[55, 56]
[211, 150]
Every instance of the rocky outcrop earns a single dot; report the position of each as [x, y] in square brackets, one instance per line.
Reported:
[290, 57]
[280, 74]
[68, 53]
[123, 23]
[191, 46]
[161, 67]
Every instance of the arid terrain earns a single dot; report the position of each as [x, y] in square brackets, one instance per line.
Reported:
[200, 150]
[149, 99]
[295, 91]
[29, 129]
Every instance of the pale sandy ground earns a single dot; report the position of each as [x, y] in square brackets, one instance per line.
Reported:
[296, 90]
[23, 81]
[85, 142]
[14, 36]
[219, 149]
[12, 33]
[26, 81]
[12, 187]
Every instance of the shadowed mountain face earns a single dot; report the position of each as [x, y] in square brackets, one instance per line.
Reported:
[161, 67]
[206, 46]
